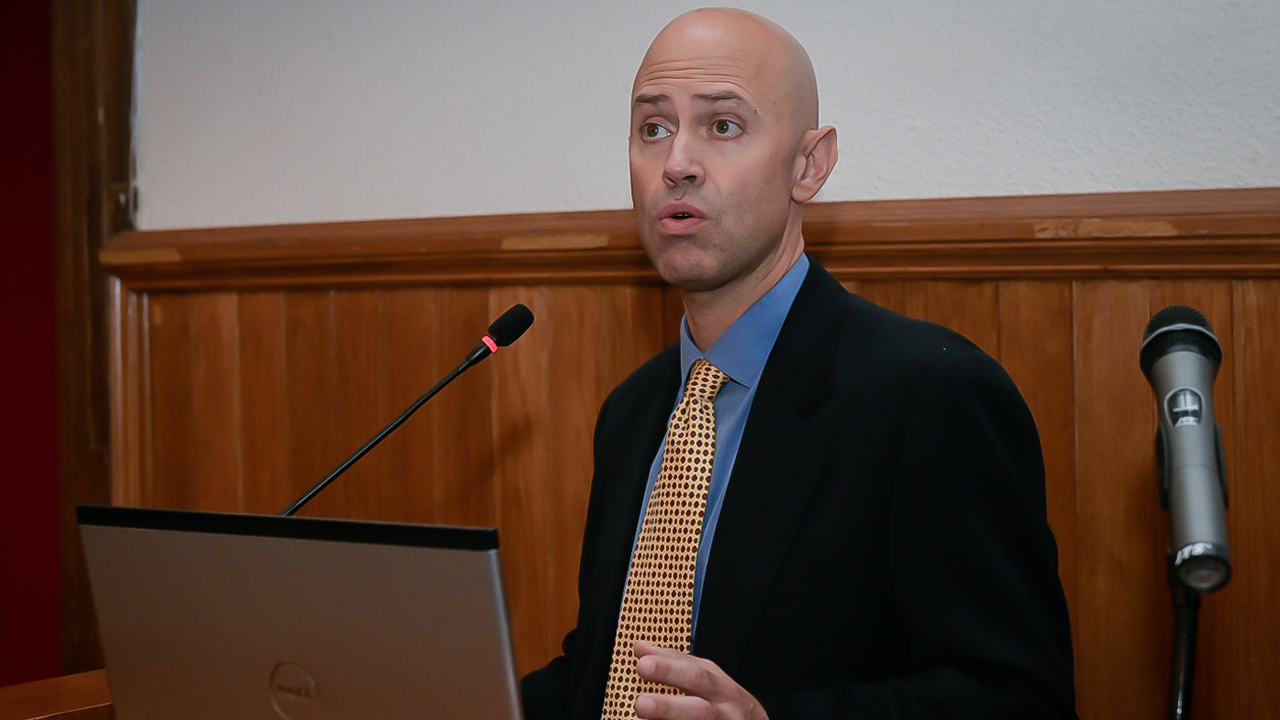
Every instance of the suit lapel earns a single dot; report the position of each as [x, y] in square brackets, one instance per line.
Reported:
[778, 467]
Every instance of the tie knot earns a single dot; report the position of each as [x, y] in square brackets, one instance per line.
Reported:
[705, 381]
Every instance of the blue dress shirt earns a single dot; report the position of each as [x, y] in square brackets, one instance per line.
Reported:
[740, 353]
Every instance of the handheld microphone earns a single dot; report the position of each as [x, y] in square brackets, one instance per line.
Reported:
[1180, 357]
[508, 328]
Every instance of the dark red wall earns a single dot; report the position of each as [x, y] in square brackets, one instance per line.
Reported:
[30, 615]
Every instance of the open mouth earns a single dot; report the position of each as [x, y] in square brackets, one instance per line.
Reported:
[680, 211]
[680, 218]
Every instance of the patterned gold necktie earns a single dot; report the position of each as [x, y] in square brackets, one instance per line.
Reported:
[657, 604]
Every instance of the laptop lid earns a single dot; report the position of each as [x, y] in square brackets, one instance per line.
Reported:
[216, 616]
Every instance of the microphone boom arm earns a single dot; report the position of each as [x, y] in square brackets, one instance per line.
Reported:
[508, 328]
[384, 432]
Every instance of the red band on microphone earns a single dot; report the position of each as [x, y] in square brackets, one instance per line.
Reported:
[493, 346]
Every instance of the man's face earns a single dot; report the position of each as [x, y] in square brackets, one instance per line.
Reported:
[713, 153]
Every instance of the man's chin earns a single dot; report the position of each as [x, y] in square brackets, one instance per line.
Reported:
[691, 279]
[690, 264]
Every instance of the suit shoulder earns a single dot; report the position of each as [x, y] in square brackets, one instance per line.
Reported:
[904, 356]
[931, 382]
[860, 335]
[896, 339]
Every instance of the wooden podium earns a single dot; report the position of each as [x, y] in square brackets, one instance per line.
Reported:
[73, 697]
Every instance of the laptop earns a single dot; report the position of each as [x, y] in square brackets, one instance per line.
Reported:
[216, 616]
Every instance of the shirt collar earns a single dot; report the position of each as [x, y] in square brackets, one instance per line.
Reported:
[743, 349]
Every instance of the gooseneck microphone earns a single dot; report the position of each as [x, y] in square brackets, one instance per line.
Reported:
[502, 332]
[1180, 357]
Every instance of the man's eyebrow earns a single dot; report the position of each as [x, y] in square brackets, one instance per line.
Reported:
[726, 96]
[650, 99]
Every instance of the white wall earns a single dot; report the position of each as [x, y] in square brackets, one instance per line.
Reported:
[278, 111]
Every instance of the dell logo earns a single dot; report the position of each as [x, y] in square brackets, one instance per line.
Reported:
[294, 693]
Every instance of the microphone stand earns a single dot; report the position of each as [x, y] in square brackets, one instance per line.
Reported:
[1186, 611]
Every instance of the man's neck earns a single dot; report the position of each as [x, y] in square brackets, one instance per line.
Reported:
[710, 313]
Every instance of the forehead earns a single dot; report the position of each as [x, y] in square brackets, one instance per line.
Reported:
[708, 61]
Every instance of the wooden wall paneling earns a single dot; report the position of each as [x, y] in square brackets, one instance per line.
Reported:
[215, 401]
[906, 297]
[969, 307]
[575, 314]
[1058, 289]
[310, 396]
[264, 410]
[172, 421]
[1123, 615]
[360, 406]
[462, 417]
[1036, 341]
[143, 424]
[632, 332]
[1255, 499]
[523, 431]
[439, 463]
[1217, 667]
[412, 367]
[672, 313]
[853, 286]
[129, 369]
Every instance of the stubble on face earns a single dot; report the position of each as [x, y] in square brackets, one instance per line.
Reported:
[737, 227]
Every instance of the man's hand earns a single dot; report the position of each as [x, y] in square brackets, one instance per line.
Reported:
[710, 694]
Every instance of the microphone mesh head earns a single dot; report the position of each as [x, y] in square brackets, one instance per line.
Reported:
[1178, 328]
[1176, 315]
[511, 324]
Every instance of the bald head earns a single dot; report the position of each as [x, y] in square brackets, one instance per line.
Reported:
[737, 46]
[725, 149]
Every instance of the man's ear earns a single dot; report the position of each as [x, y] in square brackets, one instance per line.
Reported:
[818, 155]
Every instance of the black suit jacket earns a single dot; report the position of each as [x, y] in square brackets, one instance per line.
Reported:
[882, 550]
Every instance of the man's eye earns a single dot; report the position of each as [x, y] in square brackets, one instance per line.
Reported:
[725, 128]
[654, 131]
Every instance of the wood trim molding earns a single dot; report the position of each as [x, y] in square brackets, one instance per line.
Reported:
[83, 696]
[93, 43]
[1176, 233]
[1192, 233]
[1202, 233]
[482, 250]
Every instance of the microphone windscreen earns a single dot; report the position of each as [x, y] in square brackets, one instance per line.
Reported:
[510, 325]
[1176, 315]
[1178, 328]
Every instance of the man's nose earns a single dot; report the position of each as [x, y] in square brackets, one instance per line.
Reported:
[683, 166]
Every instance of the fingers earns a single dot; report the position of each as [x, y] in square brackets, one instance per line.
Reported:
[689, 707]
[710, 694]
[693, 675]
[674, 707]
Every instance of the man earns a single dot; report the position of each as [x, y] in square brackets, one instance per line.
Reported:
[868, 534]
